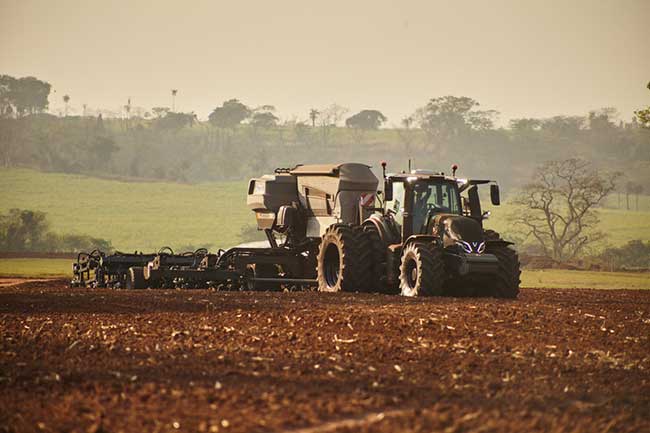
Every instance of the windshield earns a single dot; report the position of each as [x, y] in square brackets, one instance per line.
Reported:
[432, 198]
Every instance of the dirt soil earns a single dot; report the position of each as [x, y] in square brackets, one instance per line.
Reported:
[13, 281]
[110, 361]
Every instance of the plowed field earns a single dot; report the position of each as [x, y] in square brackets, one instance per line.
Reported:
[110, 361]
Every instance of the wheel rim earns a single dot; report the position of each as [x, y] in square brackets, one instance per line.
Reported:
[332, 265]
[411, 273]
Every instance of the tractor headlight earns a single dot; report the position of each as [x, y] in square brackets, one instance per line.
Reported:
[473, 247]
[465, 246]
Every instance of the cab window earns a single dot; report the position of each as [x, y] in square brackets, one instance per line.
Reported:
[433, 198]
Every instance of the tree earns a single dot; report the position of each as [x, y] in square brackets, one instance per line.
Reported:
[525, 125]
[127, 108]
[22, 230]
[446, 118]
[160, 112]
[333, 114]
[567, 128]
[27, 230]
[175, 121]
[66, 101]
[634, 254]
[301, 131]
[603, 120]
[329, 118]
[366, 119]
[174, 92]
[632, 188]
[557, 206]
[7, 86]
[31, 95]
[406, 134]
[103, 148]
[23, 96]
[230, 114]
[263, 117]
[264, 120]
[313, 115]
[643, 115]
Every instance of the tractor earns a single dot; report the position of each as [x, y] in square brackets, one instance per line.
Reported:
[324, 230]
[426, 238]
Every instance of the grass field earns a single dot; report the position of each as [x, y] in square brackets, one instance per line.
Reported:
[132, 215]
[564, 279]
[35, 268]
[149, 215]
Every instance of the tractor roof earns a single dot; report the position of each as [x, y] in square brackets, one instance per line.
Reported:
[421, 175]
[426, 175]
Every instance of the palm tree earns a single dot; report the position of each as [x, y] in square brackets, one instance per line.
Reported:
[127, 108]
[66, 99]
[174, 92]
[313, 114]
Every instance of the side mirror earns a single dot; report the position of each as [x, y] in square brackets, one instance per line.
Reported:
[388, 190]
[494, 194]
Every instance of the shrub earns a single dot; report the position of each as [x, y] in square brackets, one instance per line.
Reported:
[634, 254]
[26, 230]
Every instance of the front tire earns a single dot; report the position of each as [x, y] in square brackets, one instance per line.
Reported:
[506, 281]
[421, 270]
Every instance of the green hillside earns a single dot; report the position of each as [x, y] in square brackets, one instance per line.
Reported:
[148, 215]
[133, 215]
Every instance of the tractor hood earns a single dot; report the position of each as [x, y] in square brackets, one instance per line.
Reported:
[456, 229]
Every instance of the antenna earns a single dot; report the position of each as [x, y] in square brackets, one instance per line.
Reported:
[409, 165]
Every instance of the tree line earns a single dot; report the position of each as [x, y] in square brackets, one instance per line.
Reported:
[240, 140]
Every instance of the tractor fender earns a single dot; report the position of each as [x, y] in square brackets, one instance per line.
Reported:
[385, 227]
[422, 238]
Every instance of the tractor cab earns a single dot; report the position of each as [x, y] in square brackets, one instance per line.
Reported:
[415, 199]
[431, 230]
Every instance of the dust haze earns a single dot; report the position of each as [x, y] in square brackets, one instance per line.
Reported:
[521, 58]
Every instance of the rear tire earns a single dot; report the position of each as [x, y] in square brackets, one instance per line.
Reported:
[422, 270]
[506, 282]
[135, 278]
[365, 272]
[338, 260]
[377, 258]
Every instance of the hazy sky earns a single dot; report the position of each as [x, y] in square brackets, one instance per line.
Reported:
[522, 58]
